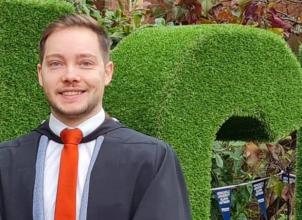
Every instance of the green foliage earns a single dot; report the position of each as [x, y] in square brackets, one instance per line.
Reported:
[240, 198]
[300, 54]
[84, 7]
[183, 83]
[299, 180]
[119, 23]
[227, 162]
[245, 161]
[227, 169]
[21, 100]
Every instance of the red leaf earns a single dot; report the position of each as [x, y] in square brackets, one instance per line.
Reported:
[253, 11]
[277, 22]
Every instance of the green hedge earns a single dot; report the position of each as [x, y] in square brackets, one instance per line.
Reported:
[191, 85]
[299, 162]
[298, 196]
[300, 54]
[22, 103]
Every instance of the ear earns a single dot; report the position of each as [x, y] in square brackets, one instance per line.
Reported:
[39, 70]
[109, 68]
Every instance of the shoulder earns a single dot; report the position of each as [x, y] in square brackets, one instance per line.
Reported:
[131, 136]
[19, 141]
[17, 148]
[128, 136]
[135, 146]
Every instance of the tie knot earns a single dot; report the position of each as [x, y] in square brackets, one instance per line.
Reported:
[71, 136]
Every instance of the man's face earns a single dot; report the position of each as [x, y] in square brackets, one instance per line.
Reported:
[73, 74]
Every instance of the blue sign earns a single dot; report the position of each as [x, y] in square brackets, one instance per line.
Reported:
[285, 176]
[223, 197]
[258, 188]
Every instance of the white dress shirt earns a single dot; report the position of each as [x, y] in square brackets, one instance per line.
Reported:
[52, 162]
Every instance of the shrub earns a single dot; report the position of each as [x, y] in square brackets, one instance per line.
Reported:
[300, 54]
[190, 85]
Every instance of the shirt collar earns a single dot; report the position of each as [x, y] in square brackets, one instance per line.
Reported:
[86, 127]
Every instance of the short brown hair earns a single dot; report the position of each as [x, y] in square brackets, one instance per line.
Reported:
[77, 20]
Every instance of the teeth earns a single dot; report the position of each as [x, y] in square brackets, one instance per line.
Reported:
[72, 93]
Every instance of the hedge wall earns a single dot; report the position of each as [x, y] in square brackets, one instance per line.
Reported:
[22, 103]
[191, 85]
[299, 162]
[300, 54]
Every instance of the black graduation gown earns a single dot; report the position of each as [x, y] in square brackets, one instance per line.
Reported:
[135, 177]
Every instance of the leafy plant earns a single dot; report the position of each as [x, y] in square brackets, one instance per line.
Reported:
[119, 22]
[238, 162]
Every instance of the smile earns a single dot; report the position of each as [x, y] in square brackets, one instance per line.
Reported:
[72, 93]
[71, 96]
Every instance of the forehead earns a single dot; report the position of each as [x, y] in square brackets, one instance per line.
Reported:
[73, 40]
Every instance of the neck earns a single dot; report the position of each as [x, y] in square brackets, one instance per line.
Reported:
[70, 122]
[73, 120]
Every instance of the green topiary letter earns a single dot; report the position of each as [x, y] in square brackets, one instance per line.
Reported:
[194, 84]
[300, 54]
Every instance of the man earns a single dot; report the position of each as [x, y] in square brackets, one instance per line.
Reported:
[82, 164]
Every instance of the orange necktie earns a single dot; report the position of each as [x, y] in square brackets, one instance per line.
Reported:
[67, 184]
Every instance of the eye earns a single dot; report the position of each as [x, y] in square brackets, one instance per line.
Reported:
[55, 64]
[86, 64]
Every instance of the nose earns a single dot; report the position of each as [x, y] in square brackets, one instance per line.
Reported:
[71, 75]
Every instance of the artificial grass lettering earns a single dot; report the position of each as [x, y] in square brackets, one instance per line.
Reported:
[190, 85]
[300, 54]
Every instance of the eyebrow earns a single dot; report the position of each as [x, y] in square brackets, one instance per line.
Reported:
[54, 55]
[86, 55]
[83, 55]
